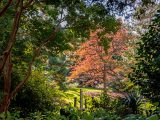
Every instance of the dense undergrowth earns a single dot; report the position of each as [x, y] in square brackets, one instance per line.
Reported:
[102, 107]
[41, 100]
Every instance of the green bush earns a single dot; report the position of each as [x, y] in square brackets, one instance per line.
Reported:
[101, 102]
[10, 116]
[75, 114]
[134, 117]
[132, 101]
[37, 95]
[153, 117]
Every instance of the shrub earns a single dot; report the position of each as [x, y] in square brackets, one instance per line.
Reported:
[132, 101]
[37, 95]
[134, 117]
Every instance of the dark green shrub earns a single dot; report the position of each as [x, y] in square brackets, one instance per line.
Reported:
[132, 102]
[105, 101]
[37, 95]
[102, 102]
[134, 117]
[146, 73]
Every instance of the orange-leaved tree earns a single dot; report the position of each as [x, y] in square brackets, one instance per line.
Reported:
[100, 59]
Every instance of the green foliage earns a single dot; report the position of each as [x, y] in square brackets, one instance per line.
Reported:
[153, 117]
[58, 67]
[95, 114]
[129, 86]
[132, 101]
[147, 108]
[104, 42]
[73, 21]
[37, 95]
[104, 101]
[74, 114]
[117, 57]
[146, 74]
[134, 117]
[10, 116]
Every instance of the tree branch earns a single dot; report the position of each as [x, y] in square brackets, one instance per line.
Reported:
[36, 54]
[27, 4]
[12, 37]
[5, 7]
[20, 85]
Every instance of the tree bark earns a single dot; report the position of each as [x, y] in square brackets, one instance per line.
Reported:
[12, 37]
[104, 79]
[7, 85]
[5, 8]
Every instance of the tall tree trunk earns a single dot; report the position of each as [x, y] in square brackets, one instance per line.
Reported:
[104, 79]
[5, 62]
[5, 58]
[12, 37]
[8, 95]
[7, 85]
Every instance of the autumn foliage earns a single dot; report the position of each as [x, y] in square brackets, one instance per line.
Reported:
[93, 55]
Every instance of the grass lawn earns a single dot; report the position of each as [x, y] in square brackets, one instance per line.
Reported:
[75, 92]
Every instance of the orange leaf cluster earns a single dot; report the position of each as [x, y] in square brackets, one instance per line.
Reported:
[92, 57]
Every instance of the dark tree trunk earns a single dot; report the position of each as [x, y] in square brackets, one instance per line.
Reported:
[7, 85]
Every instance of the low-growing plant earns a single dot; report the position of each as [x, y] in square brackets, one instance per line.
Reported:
[105, 101]
[147, 108]
[132, 101]
[10, 116]
[153, 117]
[134, 117]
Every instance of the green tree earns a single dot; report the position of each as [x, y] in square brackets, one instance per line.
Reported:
[146, 74]
[58, 68]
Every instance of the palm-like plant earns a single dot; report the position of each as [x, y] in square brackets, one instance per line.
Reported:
[132, 101]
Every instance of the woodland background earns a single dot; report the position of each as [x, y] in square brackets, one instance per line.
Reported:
[50, 49]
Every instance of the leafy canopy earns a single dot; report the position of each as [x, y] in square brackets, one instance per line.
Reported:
[146, 74]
